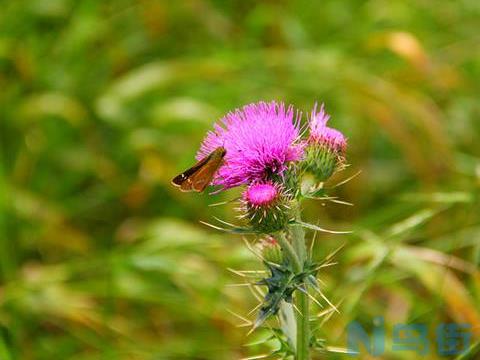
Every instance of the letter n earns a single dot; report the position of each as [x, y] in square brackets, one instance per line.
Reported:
[356, 335]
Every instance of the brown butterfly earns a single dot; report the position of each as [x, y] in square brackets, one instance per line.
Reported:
[201, 174]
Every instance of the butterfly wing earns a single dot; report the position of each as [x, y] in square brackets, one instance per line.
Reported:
[203, 177]
[183, 181]
[201, 174]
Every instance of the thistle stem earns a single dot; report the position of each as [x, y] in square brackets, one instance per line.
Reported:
[298, 240]
[296, 253]
[290, 252]
[303, 326]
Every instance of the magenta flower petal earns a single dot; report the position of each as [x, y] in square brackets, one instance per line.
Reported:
[261, 194]
[260, 140]
[267, 206]
[322, 134]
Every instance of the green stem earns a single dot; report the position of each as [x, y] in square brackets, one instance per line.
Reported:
[296, 253]
[290, 252]
[303, 325]
[298, 239]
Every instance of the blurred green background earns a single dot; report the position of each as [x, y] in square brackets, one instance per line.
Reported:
[103, 102]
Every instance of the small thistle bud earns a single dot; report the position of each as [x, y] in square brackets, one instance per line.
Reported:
[267, 206]
[271, 250]
[326, 147]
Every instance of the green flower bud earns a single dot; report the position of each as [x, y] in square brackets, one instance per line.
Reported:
[322, 161]
[267, 207]
[271, 250]
[325, 151]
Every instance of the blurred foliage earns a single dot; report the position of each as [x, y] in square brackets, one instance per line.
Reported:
[103, 102]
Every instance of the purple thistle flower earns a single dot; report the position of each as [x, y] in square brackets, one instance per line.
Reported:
[267, 206]
[260, 140]
[320, 133]
[261, 194]
[326, 147]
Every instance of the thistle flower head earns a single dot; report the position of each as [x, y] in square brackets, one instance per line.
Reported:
[259, 195]
[320, 133]
[267, 206]
[326, 146]
[260, 140]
